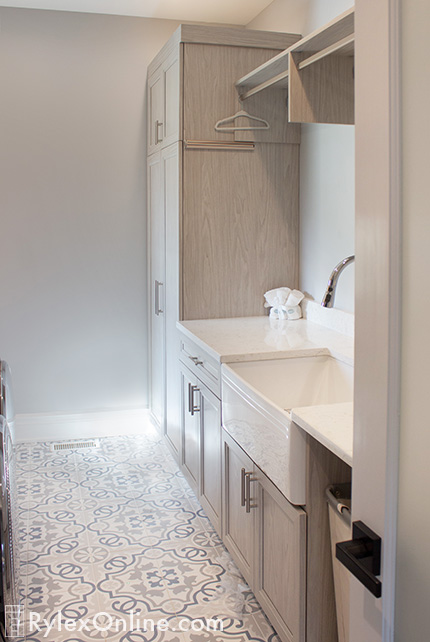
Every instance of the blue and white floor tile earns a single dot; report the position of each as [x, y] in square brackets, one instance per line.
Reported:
[109, 531]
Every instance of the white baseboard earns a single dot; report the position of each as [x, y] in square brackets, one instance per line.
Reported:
[54, 427]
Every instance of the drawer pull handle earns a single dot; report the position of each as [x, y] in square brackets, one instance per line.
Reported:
[157, 309]
[196, 361]
[242, 487]
[158, 124]
[191, 407]
[248, 480]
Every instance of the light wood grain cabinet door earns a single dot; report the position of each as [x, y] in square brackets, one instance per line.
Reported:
[155, 110]
[210, 456]
[238, 524]
[171, 157]
[156, 222]
[164, 104]
[190, 460]
[280, 577]
[172, 112]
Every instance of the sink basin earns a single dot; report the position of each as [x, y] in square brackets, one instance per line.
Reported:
[299, 381]
[257, 397]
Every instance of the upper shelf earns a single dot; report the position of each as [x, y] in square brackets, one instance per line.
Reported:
[336, 37]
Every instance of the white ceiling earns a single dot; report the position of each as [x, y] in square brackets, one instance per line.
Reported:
[238, 12]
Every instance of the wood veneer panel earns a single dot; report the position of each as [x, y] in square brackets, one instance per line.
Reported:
[240, 229]
[209, 94]
[237, 37]
[324, 468]
[322, 92]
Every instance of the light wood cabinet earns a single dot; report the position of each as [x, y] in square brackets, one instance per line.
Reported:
[283, 550]
[156, 221]
[280, 578]
[171, 192]
[210, 455]
[266, 536]
[317, 72]
[201, 443]
[163, 103]
[190, 394]
[238, 524]
[223, 225]
[163, 233]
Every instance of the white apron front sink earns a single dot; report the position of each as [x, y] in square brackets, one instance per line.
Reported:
[257, 397]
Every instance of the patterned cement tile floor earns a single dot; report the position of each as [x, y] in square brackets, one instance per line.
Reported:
[113, 530]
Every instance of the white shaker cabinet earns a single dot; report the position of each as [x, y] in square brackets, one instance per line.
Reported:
[163, 232]
[163, 103]
[156, 221]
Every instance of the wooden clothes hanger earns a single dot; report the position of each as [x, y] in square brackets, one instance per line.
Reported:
[241, 113]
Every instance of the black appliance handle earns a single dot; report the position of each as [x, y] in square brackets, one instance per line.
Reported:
[362, 556]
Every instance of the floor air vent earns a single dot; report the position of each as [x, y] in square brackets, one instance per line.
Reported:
[74, 445]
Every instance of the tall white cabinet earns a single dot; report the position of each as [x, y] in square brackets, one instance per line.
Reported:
[221, 230]
[163, 220]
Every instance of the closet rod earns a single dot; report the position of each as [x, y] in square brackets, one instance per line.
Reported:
[224, 145]
[336, 46]
[264, 85]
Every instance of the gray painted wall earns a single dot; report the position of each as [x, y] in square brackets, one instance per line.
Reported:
[326, 168]
[73, 313]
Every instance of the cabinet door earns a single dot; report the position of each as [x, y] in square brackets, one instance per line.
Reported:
[171, 107]
[155, 109]
[238, 527]
[157, 283]
[164, 104]
[210, 456]
[190, 395]
[171, 161]
[280, 582]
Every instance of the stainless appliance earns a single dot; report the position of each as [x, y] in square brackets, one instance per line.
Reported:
[9, 566]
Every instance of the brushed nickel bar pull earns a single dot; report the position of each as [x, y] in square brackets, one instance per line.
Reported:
[157, 308]
[248, 480]
[158, 124]
[193, 407]
[189, 397]
[242, 487]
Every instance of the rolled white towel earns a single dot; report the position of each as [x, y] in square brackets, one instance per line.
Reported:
[294, 298]
[276, 297]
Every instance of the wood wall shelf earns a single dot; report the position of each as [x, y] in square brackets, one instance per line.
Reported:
[324, 56]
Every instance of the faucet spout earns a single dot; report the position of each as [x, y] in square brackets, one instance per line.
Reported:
[328, 298]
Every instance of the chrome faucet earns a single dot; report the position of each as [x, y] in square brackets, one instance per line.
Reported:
[328, 298]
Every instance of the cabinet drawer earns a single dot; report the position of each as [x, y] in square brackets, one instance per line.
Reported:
[205, 367]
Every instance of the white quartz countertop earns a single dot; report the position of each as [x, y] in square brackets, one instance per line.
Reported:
[331, 425]
[257, 338]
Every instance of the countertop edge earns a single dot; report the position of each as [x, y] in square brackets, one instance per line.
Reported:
[319, 435]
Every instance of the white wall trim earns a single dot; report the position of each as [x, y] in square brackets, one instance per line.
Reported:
[55, 427]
